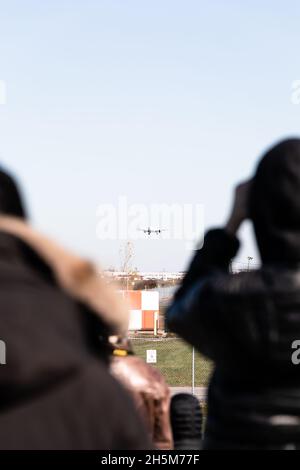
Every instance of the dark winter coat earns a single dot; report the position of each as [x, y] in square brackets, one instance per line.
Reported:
[55, 389]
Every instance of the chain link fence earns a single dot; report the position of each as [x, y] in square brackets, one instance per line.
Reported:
[183, 368]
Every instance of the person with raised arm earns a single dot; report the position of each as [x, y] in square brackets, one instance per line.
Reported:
[246, 323]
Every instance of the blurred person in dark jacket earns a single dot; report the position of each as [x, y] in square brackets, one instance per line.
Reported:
[147, 387]
[55, 389]
[246, 323]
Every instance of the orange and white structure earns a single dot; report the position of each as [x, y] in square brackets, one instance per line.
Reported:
[144, 310]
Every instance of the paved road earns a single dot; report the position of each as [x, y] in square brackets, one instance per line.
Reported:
[200, 392]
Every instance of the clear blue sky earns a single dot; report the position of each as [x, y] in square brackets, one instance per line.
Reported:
[162, 101]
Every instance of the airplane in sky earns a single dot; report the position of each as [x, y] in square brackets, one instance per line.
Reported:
[149, 231]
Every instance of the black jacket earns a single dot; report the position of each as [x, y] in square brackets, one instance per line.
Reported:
[246, 324]
[55, 389]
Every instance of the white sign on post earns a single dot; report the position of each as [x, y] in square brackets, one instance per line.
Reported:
[151, 356]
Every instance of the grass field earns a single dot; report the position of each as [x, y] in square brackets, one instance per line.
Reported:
[174, 360]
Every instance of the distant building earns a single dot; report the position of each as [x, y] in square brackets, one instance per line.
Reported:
[157, 275]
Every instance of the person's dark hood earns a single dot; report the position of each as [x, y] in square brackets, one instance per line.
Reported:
[274, 204]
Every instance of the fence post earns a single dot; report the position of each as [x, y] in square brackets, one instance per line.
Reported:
[193, 371]
[155, 323]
